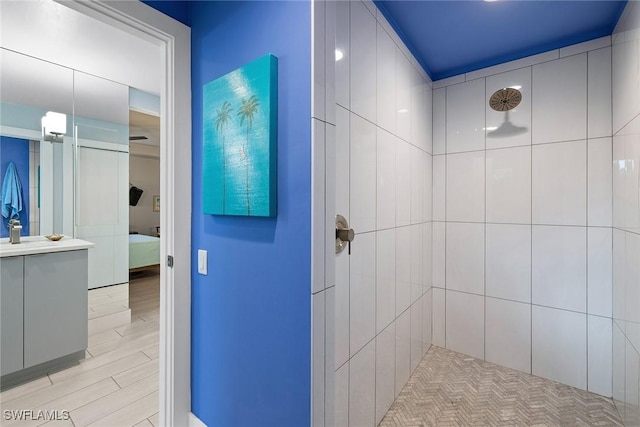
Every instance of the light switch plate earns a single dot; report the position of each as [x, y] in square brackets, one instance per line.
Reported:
[202, 261]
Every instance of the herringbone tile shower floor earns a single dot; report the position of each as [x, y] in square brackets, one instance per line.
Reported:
[451, 389]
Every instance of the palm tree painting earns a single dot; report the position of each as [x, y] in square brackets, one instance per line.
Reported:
[223, 115]
[247, 111]
[239, 141]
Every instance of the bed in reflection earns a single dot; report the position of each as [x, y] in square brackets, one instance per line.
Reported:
[144, 252]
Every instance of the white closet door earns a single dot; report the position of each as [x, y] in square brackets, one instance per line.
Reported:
[97, 202]
[102, 214]
[101, 121]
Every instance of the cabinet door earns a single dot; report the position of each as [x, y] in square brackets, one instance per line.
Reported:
[11, 275]
[55, 305]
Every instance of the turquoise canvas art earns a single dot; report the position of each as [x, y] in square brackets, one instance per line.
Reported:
[239, 147]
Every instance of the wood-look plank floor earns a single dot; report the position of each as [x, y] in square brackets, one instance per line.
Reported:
[115, 386]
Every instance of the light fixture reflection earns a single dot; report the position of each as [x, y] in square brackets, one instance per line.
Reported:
[403, 110]
[339, 55]
[54, 126]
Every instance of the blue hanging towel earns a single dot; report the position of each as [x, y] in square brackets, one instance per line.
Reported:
[11, 193]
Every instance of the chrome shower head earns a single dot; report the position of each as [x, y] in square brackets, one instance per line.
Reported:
[505, 99]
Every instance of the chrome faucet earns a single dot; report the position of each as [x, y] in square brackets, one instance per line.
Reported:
[14, 231]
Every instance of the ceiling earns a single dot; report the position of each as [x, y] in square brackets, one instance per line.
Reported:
[144, 125]
[455, 37]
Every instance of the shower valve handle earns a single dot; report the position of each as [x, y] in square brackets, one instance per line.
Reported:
[344, 234]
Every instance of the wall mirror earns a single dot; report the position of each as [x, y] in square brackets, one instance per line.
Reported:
[29, 89]
[67, 134]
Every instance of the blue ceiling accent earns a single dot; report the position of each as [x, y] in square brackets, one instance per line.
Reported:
[454, 37]
[177, 9]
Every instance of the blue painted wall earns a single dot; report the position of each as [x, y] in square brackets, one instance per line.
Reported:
[16, 151]
[251, 313]
[177, 9]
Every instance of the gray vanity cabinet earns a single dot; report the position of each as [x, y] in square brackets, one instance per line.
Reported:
[55, 305]
[11, 313]
[43, 310]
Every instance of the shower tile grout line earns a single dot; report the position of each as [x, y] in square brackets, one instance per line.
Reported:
[446, 164]
[586, 277]
[484, 255]
[531, 230]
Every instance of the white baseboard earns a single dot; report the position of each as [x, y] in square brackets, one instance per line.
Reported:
[195, 421]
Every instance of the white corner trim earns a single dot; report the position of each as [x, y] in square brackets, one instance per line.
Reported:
[195, 421]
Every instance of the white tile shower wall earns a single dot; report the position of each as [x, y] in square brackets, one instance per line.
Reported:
[465, 186]
[465, 117]
[465, 257]
[559, 183]
[559, 100]
[383, 186]
[599, 351]
[508, 329]
[385, 370]
[559, 267]
[362, 385]
[326, 310]
[522, 216]
[508, 262]
[363, 62]
[464, 319]
[508, 185]
[318, 354]
[631, 390]
[599, 206]
[626, 216]
[362, 295]
[559, 345]
[599, 95]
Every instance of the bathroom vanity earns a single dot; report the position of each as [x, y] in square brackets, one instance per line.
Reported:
[43, 306]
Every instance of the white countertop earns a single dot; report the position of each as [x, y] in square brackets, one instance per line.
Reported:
[30, 245]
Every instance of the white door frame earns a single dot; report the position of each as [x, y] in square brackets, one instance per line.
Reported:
[174, 39]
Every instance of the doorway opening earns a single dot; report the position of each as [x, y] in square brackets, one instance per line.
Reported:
[173, 42]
